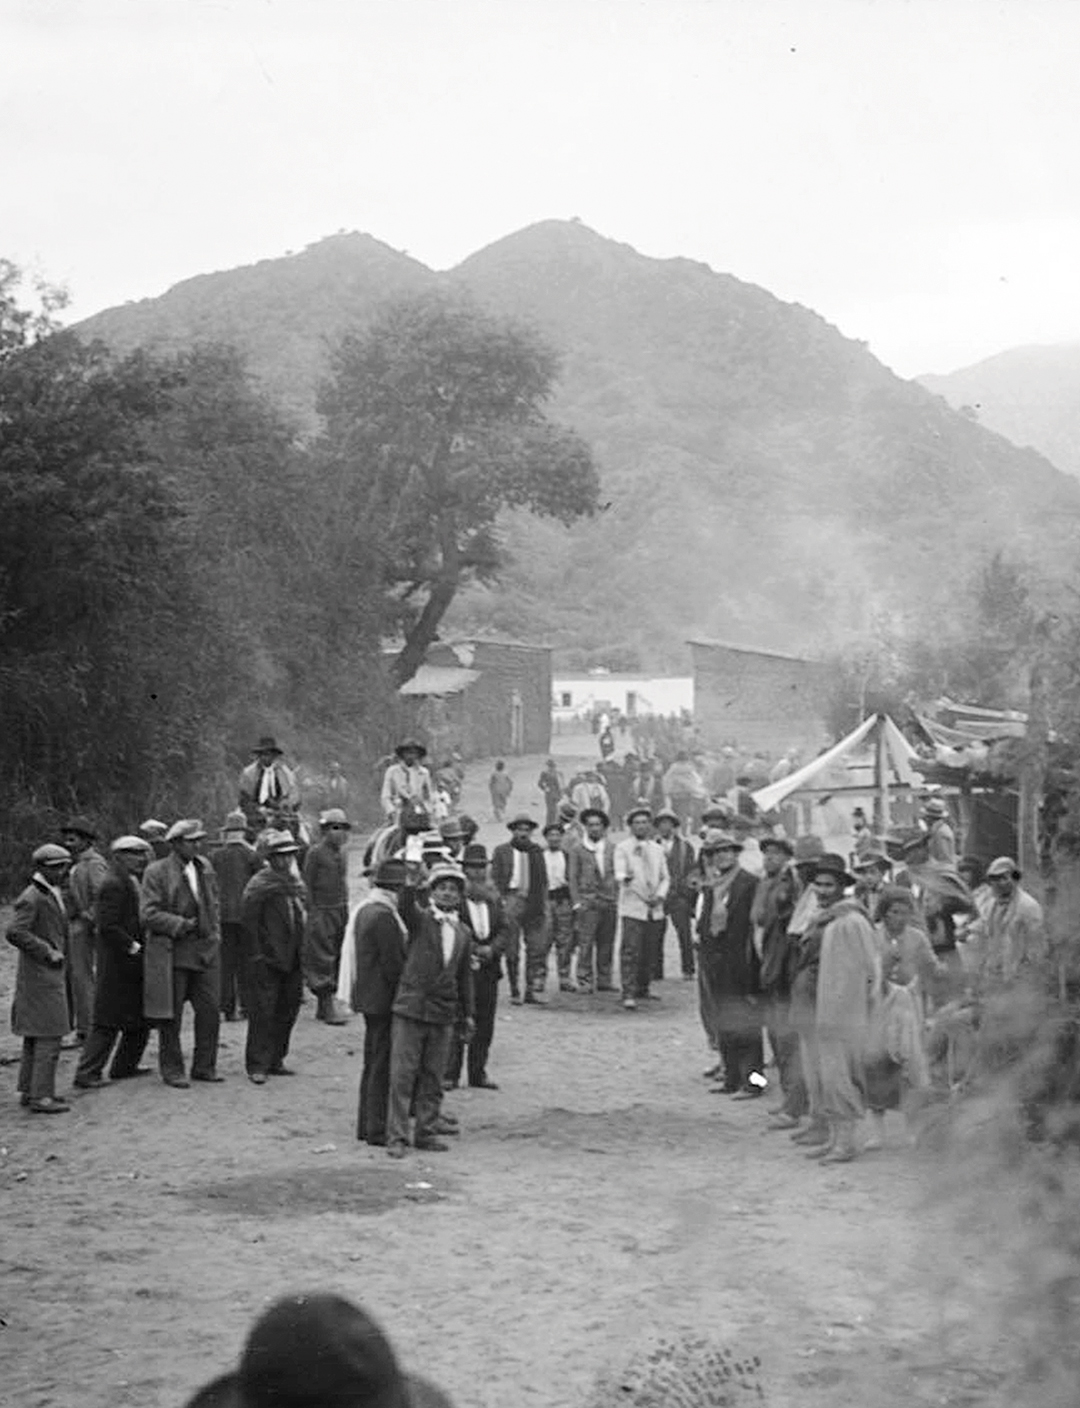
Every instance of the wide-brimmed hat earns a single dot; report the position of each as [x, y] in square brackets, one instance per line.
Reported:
[934, 806]
[408, 744]
[666, 814]
[279, 843]
[79, 826]
[137, 845]
[556, 826]
[717, 809]
[808, 849]
[474, 854]
[334, 816]
[267, 744]
[567, 811]
[521, 820]
[450, 829]
[778, 843]
[871, 858]
[895, 894]
[51, 854]
[832, 864]
[188, 829]
[639, 811]
[391, 873]
[235, 821]
[587, 812]
[717, 840]
[444, 870]
[1003, 865]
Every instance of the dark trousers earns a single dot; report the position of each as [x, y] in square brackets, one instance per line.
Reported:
[679, 914]
[486, 997]
[561, 919]
[536, 935]
[637, 954]
[418, 1052]
[80, 967]
[595, 937]
[784, 1041]
[234, 962]
[741, 1052]
[99, 1047]
[273, 1003]
[374, 1079]
[202, 988]
[37, 1069]
[323, 938]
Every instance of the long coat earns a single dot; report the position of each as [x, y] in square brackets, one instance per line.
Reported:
[118, 996]
[39, 929]
[502, 873]
[429, 989]
[729, 960]
[379, 947]
[166, 902]
[272, 915]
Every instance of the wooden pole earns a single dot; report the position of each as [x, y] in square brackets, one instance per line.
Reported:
[1032, 777]
[881, 781]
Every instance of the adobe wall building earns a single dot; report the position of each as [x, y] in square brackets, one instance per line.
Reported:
[758, 700]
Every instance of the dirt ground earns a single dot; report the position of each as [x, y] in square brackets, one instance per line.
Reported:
[600, 1203]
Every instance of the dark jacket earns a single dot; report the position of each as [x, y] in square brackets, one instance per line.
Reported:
[39, 930]
[430, 990]
[379, 946]
[234, 865]
[587, 885]
[118, 995]
[680, 862]
[498, 929]
[502, 872]
[167, 901]
[272, 915]
[729, 957]
[324, 875]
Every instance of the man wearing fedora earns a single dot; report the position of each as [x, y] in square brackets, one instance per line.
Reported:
[84, 882]
[180, 914]
[519, 875]
[728, 964]
[484, 913]
[118, 998]
[591, 877]
[434, 992]
[234, 862]
[273, 913]
[871, 869]
[41, 1009]
[375, 957]
[267, 786]
[407, 784]
[679, 901]
[560, 907]
[326, 879]
[940, 836]
[1010, 938]
[848, 990]
[641, 876]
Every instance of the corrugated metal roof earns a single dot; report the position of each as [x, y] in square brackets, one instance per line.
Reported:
[439, 679]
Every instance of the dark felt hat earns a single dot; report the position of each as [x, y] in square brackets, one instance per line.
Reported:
[267, 744]
[391, 874]
[666, 814]
[832, 864]
[587, 812]
[474, 854]
[79, 826]
[638, 811]
[413, 743]
[521, 820]
[780, 843]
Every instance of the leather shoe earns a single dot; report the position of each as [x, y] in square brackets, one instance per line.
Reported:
[535, 1000]
[432, 1146]
[48, 1105]
[177, 1082]
[256, 1078]
[210, 1077]
[713, 1073]
[377, 1141]
[129, 1075]
[89, 1083]
[278, 1071]
[445, 1127]
[484, 1084]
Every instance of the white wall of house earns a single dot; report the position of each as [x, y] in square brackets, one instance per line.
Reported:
[577, 696]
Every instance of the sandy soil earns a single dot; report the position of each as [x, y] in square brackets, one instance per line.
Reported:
[600, 1203]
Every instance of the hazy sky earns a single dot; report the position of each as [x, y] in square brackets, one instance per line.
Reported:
[908, 168]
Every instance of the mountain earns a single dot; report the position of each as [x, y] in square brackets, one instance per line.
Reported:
[1031, 395]
[770, 481]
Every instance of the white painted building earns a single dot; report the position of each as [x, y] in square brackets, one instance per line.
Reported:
[599, 691]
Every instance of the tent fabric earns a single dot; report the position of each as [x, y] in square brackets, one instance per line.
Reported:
[898, 754]
[439, 680]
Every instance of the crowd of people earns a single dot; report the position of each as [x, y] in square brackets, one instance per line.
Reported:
[842, 968]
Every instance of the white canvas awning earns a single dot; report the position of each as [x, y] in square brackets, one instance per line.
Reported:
[898, 757]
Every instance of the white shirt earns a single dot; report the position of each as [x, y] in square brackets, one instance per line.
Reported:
[478, 919]
[597, 848]
[448, 932]
[45, 885]
[268, 786]
[519, 880]
[556, 869]
[191, 875]
[642, 873]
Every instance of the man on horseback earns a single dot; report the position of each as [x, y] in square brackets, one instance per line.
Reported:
[267, 787]
[407, 784]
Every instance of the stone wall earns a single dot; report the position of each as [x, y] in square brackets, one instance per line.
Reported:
[507, 711]
[757, 700]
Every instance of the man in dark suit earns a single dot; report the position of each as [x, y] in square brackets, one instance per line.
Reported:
[484, 913]
[590, 875]
[435, 991]
[378, 938]
[729, 964]
[678, 905]
[179, 911]
[41, 1011]
[273, 915]
[520, 876]
[118, 995]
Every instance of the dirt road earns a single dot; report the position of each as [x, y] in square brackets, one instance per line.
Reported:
[600, 1202]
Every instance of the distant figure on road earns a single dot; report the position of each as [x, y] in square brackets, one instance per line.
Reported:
[606, 742]
[550, 784]
[500, 785]
[589, 791]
